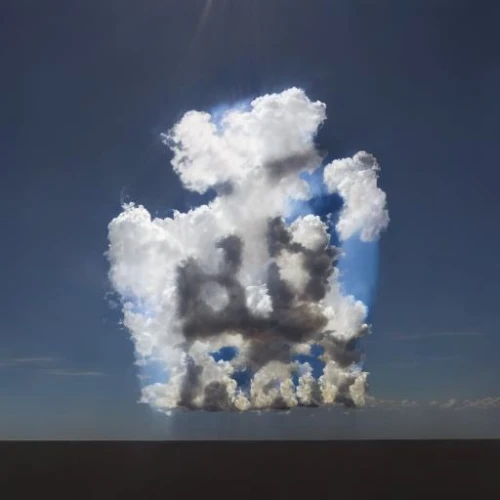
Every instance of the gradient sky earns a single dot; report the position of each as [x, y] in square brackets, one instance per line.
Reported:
[86, 89]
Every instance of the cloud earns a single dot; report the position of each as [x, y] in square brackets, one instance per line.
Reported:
[487, 403]
[364, 208]
[42, 364]
[438, 359]
[451, 403]
[33, 361]
[38, 360]
[484, 403]
[390, 404]
[423, 336]
[65, 372]
[241, 272]
[417, 360]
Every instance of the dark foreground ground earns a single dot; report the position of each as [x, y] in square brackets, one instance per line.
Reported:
[407, 469]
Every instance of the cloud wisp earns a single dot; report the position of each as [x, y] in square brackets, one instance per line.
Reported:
[67, 372]
[487, 403]
[47, 365]
[26, 361]
[424, 336]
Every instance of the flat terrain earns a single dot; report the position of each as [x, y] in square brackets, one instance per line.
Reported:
[411, 468]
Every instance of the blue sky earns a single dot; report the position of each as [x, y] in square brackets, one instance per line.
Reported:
[86, 90]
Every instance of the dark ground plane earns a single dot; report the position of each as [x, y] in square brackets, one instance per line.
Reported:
[408, 469]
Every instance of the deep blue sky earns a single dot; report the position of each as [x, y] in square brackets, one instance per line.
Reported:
[86, 88]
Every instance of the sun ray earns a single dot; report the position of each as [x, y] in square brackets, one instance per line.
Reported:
[205, 14]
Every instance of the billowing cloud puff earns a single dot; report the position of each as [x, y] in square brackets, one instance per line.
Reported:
[240, 307]
[355, 179]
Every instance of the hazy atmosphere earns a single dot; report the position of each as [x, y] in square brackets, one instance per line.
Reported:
[164, 154]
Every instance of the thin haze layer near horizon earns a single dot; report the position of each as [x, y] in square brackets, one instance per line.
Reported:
[249, 220]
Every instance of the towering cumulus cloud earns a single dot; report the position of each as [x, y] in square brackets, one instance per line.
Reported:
[239, 304]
